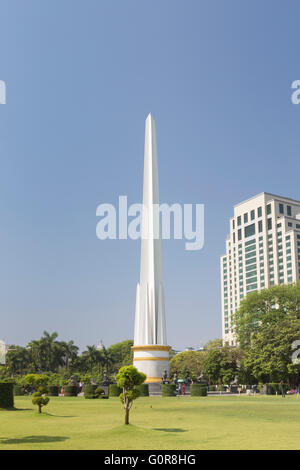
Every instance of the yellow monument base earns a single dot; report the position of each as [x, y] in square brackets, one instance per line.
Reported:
[153, 360]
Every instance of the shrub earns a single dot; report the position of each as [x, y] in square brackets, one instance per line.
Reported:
[53, 390]
[19, 390]
[90, 391]
[70, 390]
[103, 396]
[143, 389]
[168, 390]
[198, 390]
[6, 395]
[114, 390]
[272, 388]
[99, 391]
[86, 379]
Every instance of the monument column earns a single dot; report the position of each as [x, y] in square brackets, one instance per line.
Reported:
[151, 352]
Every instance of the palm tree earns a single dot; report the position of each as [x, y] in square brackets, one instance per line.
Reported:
[107, 358]
[36, 351]
[48, 341]
[91, 356]
[70, 352]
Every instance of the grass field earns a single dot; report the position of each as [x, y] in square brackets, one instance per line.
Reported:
[237, 422]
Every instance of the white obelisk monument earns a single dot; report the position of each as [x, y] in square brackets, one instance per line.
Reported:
[151, 352]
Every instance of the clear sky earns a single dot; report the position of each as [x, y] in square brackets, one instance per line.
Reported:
[81, 78]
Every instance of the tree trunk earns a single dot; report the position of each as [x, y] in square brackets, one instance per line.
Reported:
[40, 408]
[126, 415]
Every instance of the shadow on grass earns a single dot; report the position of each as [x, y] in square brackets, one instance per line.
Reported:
[16, 409]
[34, 439]
[169, 429]
[56, 416]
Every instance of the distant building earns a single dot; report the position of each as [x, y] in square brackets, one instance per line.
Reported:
[100, 346]
[262, 249]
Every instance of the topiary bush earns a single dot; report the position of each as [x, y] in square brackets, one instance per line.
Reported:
[6, 395]
[70, 390]
[168, 390]
[53, 390]
[143, 389]
[40, 400]
[198, 390]
[114, 390]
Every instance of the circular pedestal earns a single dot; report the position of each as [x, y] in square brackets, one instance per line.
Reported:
[152, 360]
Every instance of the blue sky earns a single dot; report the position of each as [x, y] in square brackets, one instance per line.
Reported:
[81, 78]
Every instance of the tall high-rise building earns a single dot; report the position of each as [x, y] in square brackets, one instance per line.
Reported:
[262, 249]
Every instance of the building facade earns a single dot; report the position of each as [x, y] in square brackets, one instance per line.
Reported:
[262, 249]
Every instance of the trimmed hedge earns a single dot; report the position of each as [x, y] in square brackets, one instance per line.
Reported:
[53, 390]
[70, 390]
[114, 390]
[168, 390]
[6, 395]
[143, 389]
[198, 390]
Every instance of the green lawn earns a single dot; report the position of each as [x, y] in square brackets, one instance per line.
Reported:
[267, 422]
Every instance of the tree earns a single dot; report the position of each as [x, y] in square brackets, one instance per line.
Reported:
[270, 354]
[187, 363]
[37, 381]
[120, 354]
[266, 307]
[70, 351]
[17, 359]
[128, 378]
[40, 400]
[213, 344]
[91, 356]
[221, 364]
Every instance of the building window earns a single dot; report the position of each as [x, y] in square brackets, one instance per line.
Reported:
[290, 224]
[249, 230]
[268, 209]
[269, 224]
[281, 211]
[252, 215]
[245, 218]
[259, 212]
[239, 234]
[260, 227]
[289, 210]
